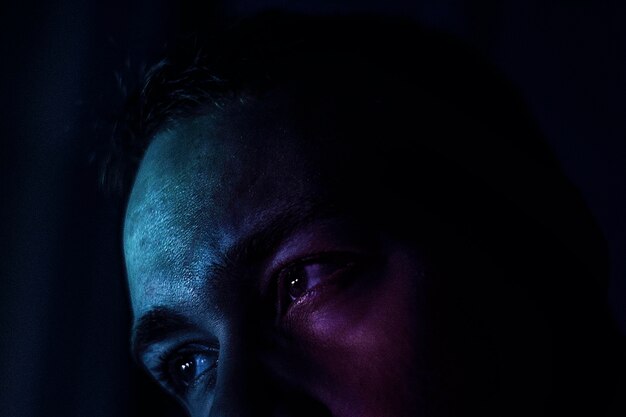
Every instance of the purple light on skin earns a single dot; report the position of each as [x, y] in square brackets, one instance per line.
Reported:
[342, 337]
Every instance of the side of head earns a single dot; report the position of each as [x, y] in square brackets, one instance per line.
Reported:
[353, 216]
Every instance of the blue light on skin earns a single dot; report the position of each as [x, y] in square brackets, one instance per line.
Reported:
[346, 347]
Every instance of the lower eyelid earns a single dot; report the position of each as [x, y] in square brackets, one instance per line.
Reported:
[203, 385]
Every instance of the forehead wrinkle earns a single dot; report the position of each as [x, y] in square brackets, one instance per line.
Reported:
[272, 228]
[194, 193]
[165, 245]
[235, 266]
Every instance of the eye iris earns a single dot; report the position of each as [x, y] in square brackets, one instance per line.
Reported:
[185, 371]
[296, 284]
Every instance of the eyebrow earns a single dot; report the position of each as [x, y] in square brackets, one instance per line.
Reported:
[161, 322]
[155, 326]
[262, 242]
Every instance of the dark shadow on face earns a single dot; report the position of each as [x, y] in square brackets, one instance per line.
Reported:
[334, 245]
[261, 285]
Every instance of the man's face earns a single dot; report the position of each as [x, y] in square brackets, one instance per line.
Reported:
[253, 292]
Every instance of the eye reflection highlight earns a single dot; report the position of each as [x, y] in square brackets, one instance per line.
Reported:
[183, 369]
[299, 278]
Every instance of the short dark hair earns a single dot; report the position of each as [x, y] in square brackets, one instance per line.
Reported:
[356, 56]
[387, 83]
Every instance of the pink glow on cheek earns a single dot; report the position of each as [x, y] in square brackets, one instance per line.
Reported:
[361, 342]
[356, 317]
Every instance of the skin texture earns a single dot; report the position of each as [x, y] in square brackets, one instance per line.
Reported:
[268, 278]
[354, 229]
[224, 213]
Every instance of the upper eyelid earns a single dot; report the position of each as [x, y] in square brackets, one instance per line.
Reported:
[160, 371]
[161, 326]
[308, 259]
[312, 235]
[298, 258]
[172, 350]
[277, 278]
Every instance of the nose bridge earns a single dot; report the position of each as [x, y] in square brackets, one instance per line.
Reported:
[258, 373]
[231, 393]
[243, 384]
[248, 384]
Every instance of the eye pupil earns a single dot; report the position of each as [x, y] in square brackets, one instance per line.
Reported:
[186, 371]
[296, 285]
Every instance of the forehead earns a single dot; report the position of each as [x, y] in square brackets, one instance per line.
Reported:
[202, 185]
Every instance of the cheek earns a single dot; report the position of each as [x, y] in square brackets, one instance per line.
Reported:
[361, 341]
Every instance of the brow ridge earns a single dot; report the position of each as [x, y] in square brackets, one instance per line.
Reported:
[155, 326]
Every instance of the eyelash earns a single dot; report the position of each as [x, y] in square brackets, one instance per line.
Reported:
[163, 369]
[346, 261]
[350, 259]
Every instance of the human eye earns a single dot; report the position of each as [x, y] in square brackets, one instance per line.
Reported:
[186, 369]
[300, 279]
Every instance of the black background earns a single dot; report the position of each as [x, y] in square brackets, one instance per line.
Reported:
[64, 315]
